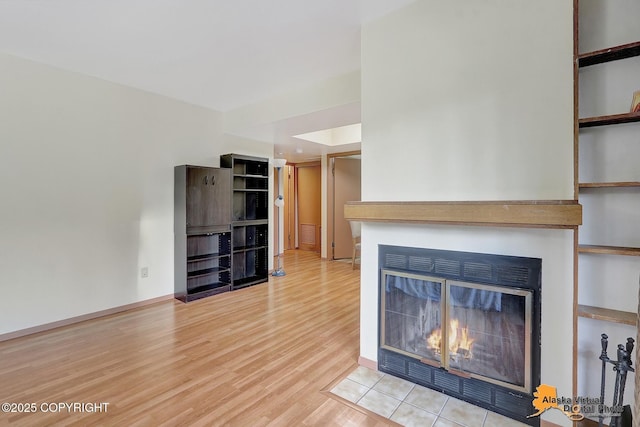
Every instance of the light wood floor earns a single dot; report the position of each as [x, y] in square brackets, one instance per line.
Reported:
[253, 357]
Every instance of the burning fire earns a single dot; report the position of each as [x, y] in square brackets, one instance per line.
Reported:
[459, 341]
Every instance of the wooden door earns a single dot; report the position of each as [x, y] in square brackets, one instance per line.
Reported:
[346, 187]
[309, 208]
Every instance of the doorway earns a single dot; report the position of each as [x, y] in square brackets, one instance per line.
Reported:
[309, 192]
[344, 186]
[304, 211]
[289, 189]
[288, 211]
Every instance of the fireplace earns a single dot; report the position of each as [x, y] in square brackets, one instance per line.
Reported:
[466, 324]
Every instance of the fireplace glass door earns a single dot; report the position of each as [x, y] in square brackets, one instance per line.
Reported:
[487, 328]
[412, 309]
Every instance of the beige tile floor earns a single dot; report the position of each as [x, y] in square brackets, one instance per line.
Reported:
[410, 405]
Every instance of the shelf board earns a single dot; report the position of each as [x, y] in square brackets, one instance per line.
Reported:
[205, 272]
[246, 222]
[609, 184]
[207, 230]
[257, 190]
[206, 257]
[614, 119]
[519, 213]
[608, 250]
[607, 314]
[614, 53]
[237, 249]
[241, 175]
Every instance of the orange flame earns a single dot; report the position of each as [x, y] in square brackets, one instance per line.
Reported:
[459, 340]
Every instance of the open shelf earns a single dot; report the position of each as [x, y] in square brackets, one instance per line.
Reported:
[206, 271]
[608, 250]
[250, 267]
[614, 53]
[607, 314]
[614, 119]
[246, 166]
[609, 184]
[250, 183]
[250, 205]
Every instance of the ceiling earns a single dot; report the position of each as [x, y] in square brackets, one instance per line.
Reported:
[220, 54]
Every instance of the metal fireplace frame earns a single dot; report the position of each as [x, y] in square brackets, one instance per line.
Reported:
[445, 297]
[485, 269]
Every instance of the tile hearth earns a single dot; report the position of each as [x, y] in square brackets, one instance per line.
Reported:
[409, 404]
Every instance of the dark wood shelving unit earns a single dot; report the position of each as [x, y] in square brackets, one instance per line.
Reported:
[250, 218]
[202, 232]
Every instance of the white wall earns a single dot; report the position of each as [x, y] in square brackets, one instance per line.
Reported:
[472, 100]
[478, 95]
[86, 186]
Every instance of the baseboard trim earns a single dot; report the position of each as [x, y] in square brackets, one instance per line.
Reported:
[368, 363]
[82, 318]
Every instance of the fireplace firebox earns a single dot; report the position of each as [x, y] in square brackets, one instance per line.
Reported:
[466, 324]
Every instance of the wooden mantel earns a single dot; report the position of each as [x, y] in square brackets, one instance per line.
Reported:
[503, 213]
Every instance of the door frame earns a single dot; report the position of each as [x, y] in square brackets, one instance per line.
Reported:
[330, 198]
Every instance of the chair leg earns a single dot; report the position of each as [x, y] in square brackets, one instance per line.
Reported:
[353, 258]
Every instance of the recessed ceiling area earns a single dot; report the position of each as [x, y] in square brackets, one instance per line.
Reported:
[342, 135]
[296, 150]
